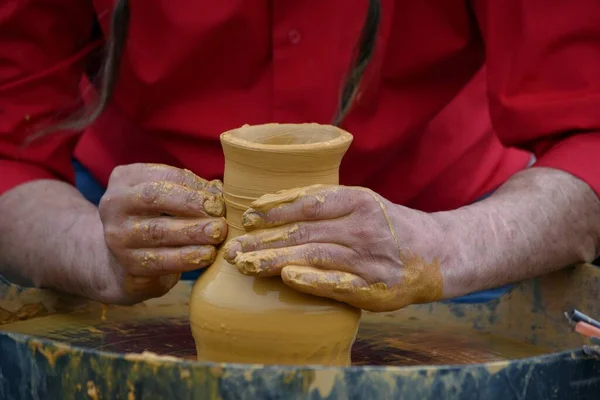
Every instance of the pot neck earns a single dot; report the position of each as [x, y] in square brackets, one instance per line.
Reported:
[254, 170]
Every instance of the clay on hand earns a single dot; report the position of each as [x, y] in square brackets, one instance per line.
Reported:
[344, 243]
[159, 221]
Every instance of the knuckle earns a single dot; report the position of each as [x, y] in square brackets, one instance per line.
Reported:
[360, 230]
[302, 234]
[156, 231]
[195, 231]
[112, 235]
[160, 264]
[111, 231]
[319, 255]
[145, 260]
[121, 174]
[149, 192]
[172, 174]
[104, 206]
[192, 180]
[312, 208]
[163, 172]
[117, 173]
[192, 198]
[364, 200]
[112, 203]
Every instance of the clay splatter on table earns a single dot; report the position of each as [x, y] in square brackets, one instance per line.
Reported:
[381, 341]
[500, 336]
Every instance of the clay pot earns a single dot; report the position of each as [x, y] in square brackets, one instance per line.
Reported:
[243, 319]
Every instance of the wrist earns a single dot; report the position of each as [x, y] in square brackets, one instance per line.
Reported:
[84, 257]
[53, 237]
[96, 276]
[99, 276]
[459, 237]
[429, 238]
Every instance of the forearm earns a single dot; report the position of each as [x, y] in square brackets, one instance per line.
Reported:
[539, 221]
[51, 237]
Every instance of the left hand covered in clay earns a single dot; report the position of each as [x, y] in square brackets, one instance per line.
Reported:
[344, 243]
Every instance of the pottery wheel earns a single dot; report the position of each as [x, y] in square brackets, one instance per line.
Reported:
[161, 326]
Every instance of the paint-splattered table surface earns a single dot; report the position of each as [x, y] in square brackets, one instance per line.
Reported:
[147, 351]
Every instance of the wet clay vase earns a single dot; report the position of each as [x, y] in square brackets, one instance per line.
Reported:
[243, 319]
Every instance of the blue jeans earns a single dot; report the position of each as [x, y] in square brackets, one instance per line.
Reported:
[93, 191]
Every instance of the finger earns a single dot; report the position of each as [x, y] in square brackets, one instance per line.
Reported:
[270, 262]
[162, 197]
[337, 285]
[134, 174]
[318, 202]
[342, 286]
[166, 232]
[287, 236]
[163, 261]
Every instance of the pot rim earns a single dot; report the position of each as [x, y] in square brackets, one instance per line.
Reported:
[343, 139]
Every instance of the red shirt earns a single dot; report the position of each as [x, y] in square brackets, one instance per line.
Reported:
[453, 86]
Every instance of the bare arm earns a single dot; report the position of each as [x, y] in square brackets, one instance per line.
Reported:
[52, 237]
[125, 251]
[352, 245]
[539, 221]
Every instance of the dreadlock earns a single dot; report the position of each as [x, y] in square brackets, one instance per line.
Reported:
[117, 39]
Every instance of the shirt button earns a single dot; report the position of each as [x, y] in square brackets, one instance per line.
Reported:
[294, 36]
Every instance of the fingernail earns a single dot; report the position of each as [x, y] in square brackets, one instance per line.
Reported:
[200, 256]
[215, 187]
[293, 275]
[248, 264]
[252, 219]
[231, 250]
[214, 206]
[213, 229]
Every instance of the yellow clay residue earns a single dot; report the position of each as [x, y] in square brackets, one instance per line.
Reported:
[214, 205]
[324, 382]
[162, 188]
[149, 356]
[251, 219]
[92, 392]
[146, 257]
[279, 235]
[131, 391]
[50, 354]
[250, 263]
[184, 374]
[269, 201]
[419, 281]
[197, 257]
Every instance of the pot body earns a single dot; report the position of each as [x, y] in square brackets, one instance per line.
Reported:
[243, 319]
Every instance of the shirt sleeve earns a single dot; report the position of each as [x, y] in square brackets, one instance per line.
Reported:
[43, 49]
[543, 68]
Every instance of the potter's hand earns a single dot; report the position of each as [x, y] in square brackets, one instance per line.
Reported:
[159, 221]
[345, 243]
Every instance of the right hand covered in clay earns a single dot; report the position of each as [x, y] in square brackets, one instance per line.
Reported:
[159, 221]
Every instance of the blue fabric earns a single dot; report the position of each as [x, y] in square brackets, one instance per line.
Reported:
[89, 187]
[93, 191]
